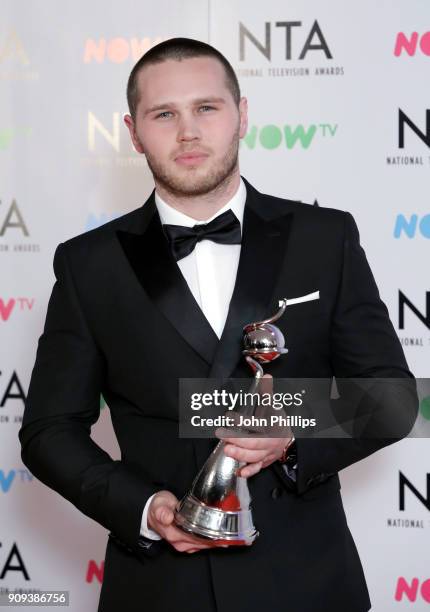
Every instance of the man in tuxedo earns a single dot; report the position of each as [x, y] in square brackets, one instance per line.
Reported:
[163, 293]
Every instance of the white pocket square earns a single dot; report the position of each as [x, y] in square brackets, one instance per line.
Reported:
[299, 300]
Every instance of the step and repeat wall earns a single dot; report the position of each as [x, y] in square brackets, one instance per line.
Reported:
[339, 116]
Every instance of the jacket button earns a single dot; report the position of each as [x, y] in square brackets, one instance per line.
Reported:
[276, 492]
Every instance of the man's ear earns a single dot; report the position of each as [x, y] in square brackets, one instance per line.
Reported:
[243, 113]
[128, 120]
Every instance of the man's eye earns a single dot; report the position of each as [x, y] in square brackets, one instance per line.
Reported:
[163, 114]
[205, 106]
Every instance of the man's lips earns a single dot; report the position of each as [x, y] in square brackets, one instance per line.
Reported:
[191, 158]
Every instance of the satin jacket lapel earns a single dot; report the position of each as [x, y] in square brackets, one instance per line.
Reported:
[149, 255]
[262, 254]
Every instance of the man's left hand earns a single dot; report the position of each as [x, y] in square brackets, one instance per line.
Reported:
[258, 452]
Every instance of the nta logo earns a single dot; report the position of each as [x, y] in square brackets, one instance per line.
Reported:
[14, 49]
[314, 41]
[405, 120]
[404, 484]
[110, 135]
[405, 301]
[13, 563]
[14, 390]
[13, 219]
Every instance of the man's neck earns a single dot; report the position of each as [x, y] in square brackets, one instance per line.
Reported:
[204, 206]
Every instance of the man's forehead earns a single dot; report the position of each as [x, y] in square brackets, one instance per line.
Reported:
[181, 81]
[189, 64]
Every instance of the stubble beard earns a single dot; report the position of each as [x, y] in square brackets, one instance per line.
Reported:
[193, 183]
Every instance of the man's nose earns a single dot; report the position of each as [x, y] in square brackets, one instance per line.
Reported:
[188, 129]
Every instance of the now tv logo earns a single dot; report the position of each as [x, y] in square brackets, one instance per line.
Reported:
[409, 226]
[273, 136]
[94, 571]
[6, 307]
[8, 478]
[94, 221]
[409, 45]
[409, 591]
[117, 50]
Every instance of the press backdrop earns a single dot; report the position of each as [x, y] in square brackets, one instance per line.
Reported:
[339, 116]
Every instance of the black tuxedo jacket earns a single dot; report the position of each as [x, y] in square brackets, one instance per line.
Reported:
[121, 321]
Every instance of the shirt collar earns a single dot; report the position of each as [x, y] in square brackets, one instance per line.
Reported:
[171, 216]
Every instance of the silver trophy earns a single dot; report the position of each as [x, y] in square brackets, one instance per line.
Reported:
[218, 506]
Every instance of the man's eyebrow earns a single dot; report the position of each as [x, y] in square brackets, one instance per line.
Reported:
[210, 99]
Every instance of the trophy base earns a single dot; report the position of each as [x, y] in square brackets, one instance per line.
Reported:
[224, 527]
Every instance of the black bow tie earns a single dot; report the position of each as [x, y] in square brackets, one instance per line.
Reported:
[224, 229]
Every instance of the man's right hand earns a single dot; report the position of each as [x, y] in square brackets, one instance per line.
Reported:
[160, 519]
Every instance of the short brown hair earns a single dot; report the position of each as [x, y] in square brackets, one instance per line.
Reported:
[178, 49]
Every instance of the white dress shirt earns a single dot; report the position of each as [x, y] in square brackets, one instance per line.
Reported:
[210, 269]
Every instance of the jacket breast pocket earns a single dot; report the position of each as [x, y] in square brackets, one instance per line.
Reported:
[313, 308]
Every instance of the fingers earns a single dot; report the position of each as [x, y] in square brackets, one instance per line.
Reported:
[166, 498]
[244, 454]
[254, 445]
[243, 450]
[251, 469]
[164, 515]
[162, 508]
[182, 541]
[247, 442]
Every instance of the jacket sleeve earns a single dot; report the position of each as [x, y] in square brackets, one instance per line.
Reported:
[63, 403]
[363, 345]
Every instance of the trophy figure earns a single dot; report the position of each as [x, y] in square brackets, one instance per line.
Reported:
[218, 506]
